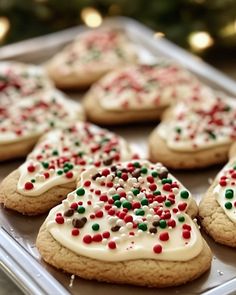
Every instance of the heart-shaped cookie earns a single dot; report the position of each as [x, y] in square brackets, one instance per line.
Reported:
[22, 123]
[51, 170]
[129, 223]
[89, 57]
[138, 93]
[217, 209]
[196, 132]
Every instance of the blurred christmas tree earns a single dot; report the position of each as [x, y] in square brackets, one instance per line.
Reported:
[196, 24]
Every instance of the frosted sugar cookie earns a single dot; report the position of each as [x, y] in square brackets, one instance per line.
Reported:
[24, 121]
[89, 57]
[195, 133]
[18, 81]
[130, 223]
[217, 209]
[138, 93]
[50, 171]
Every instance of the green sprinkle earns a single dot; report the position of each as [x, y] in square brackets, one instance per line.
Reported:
[117, 203]
[127, 205]
[80, 191]
[66, 170]
[95, 226]
[119, 173]
[168, 203]
[154, 174]
[52, 124]
[144, 201]
[55, 153]
[162, 223]
[184, 194]
[136, 164]
[229, 194]
[142, 226]
[166, 180]
[156, 193]
[181, 218]
[59, 172]
[140, 212]
[135, 191]
[80, 154]
[81, 210]
[32, 180]
[77, 143]
[228, 205]
[116, 197]
[178, 130]
[45, 165]
[144, 170]
[235, 167]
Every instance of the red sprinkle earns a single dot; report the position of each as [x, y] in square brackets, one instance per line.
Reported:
[112, 245]
[59, 219]
[97, 238]
[167, 187]
[182, 206]
[105, 172]
[29, 186]
[87, 183]
[87, 239]
[75, 232]
[186, 234]
[69, 174]
[31, 168]
[74, 206]
[106, 235]
[99, 214]
[157, 249]
[164, 236]
[187, 227]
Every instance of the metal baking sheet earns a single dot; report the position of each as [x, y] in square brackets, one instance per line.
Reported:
[19, 257]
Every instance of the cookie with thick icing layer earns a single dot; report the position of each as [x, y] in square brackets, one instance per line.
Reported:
[138, 93]
[51, 170]
[90, 56]
[129, 218]
[19, 81]
[24, 121]
[217, 210]
[195, 133]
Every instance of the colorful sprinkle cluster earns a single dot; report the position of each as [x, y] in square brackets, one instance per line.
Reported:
[64, 152]
[197, 125]
[149, 85]
[108, 46]
[35, 115]
[227, 183]
[20, 81]
[125, 201]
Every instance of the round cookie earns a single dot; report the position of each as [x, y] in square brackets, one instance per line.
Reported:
[24, 121]
[131, 218]
[18, 81]
[194, 134]
[217, 210]
[50, 171]
[137, 93]
[90, 56]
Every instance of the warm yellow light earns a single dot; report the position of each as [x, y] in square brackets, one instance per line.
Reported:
[200, 40]
[159, 35]
[91, 17]
[229, 30]
[4, 27]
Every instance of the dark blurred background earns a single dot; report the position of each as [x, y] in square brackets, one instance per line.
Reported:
[205, 27]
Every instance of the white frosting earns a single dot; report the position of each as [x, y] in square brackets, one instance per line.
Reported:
[34, 115]
[139, 87]
[194, 125]
[94, 51]
[58, 140]
[128, 247]
[220, 192]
